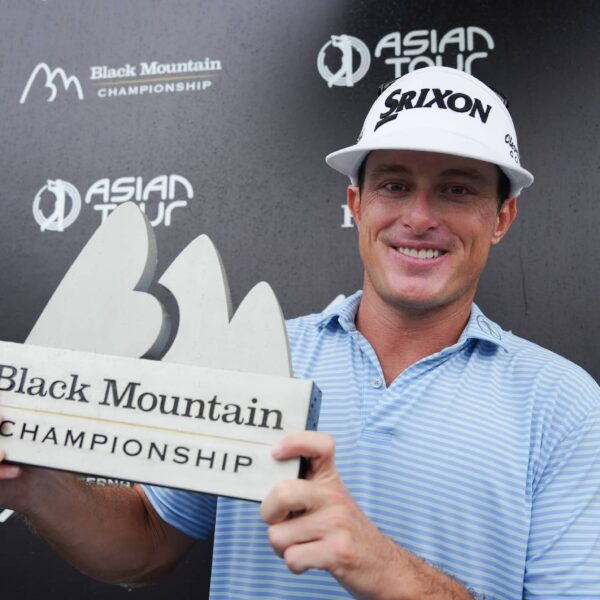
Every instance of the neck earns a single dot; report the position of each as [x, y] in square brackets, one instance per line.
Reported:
[401, 336]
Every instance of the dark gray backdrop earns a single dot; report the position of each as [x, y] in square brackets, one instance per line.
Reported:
[252, 145]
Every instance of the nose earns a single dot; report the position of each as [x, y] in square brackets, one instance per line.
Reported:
[419, 213]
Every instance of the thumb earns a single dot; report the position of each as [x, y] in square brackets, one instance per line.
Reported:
[316, 446]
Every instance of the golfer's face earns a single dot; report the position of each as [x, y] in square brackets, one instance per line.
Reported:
[426, 222]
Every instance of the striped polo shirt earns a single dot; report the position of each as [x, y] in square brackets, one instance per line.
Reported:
[483, 459]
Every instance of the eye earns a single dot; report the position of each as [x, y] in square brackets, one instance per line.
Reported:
[458, 190]
[395, 187]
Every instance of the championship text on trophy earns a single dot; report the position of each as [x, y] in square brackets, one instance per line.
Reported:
[77, 397]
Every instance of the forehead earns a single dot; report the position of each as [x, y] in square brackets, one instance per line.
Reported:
[428, 163]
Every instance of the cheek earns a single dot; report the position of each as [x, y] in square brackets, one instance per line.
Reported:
[476, 233]
[373, 219]
[378, 213]
[478, 247]
[480, 225]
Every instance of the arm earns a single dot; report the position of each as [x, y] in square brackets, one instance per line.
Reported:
[563, 556]
[315, 523]
[111, 534]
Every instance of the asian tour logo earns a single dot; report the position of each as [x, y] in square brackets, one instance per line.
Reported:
[58, 203]
[344, 60]
[350, 70]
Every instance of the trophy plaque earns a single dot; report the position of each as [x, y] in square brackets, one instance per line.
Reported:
[78, 397]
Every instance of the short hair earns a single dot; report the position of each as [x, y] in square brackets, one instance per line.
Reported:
[502, 190]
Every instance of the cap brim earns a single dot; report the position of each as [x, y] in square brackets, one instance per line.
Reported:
[348, 160]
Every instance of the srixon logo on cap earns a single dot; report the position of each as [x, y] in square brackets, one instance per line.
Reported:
[433, 98]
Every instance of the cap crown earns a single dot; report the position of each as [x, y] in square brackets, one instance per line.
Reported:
[439, 109]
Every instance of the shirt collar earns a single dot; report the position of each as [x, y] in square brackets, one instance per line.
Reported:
[479, 327]
[341, 313]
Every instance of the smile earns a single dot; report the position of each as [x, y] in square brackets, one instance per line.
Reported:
[424, 253]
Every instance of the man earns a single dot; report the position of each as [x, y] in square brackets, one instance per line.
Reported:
[462, 462]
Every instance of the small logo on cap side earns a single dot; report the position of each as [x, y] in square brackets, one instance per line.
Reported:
[433, 97]
[514, 151]
[348, 74]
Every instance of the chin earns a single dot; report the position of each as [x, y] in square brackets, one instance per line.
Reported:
[414, 302]
[418, 296]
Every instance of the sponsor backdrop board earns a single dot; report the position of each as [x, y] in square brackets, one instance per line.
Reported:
[215, 117]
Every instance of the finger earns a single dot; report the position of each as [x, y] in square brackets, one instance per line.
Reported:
[8, 471]
[317, 446]
[288, 497]
[311, 555]
[308, 527]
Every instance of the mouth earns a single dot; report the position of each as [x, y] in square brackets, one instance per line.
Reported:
[421, 253]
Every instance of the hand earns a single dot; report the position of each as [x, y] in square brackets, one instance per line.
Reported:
[315, 523]
[11, 485]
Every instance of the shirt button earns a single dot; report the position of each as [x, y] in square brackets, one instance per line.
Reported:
[377, 382]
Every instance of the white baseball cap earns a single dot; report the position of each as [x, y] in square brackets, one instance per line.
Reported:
[439, 109]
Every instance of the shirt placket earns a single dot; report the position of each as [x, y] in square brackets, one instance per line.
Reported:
[373, 381]
[382, 405]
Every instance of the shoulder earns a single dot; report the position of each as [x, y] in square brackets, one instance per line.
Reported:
[565, 392]
[303, 326]
[304, 337]
[308, 329]
[524, 365]
[529, 356]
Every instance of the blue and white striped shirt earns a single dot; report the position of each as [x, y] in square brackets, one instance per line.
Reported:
[483, 459]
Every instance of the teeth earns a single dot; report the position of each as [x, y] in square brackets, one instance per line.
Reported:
[414, 253]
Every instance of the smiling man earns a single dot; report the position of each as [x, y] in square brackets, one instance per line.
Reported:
[454, 460]
[467, 460]
[459, 460]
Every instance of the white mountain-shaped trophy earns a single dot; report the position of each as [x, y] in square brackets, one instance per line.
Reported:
[77, 396]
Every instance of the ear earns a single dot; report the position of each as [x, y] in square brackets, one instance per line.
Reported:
[504, 219]
[353, 201]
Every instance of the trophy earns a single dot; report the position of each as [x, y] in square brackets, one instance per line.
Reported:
[78, 395]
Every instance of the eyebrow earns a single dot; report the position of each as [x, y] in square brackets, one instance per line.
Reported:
[385, 169]
[473, 174]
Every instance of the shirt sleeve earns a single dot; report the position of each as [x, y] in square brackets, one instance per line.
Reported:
[190, 512]
[563, 557]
